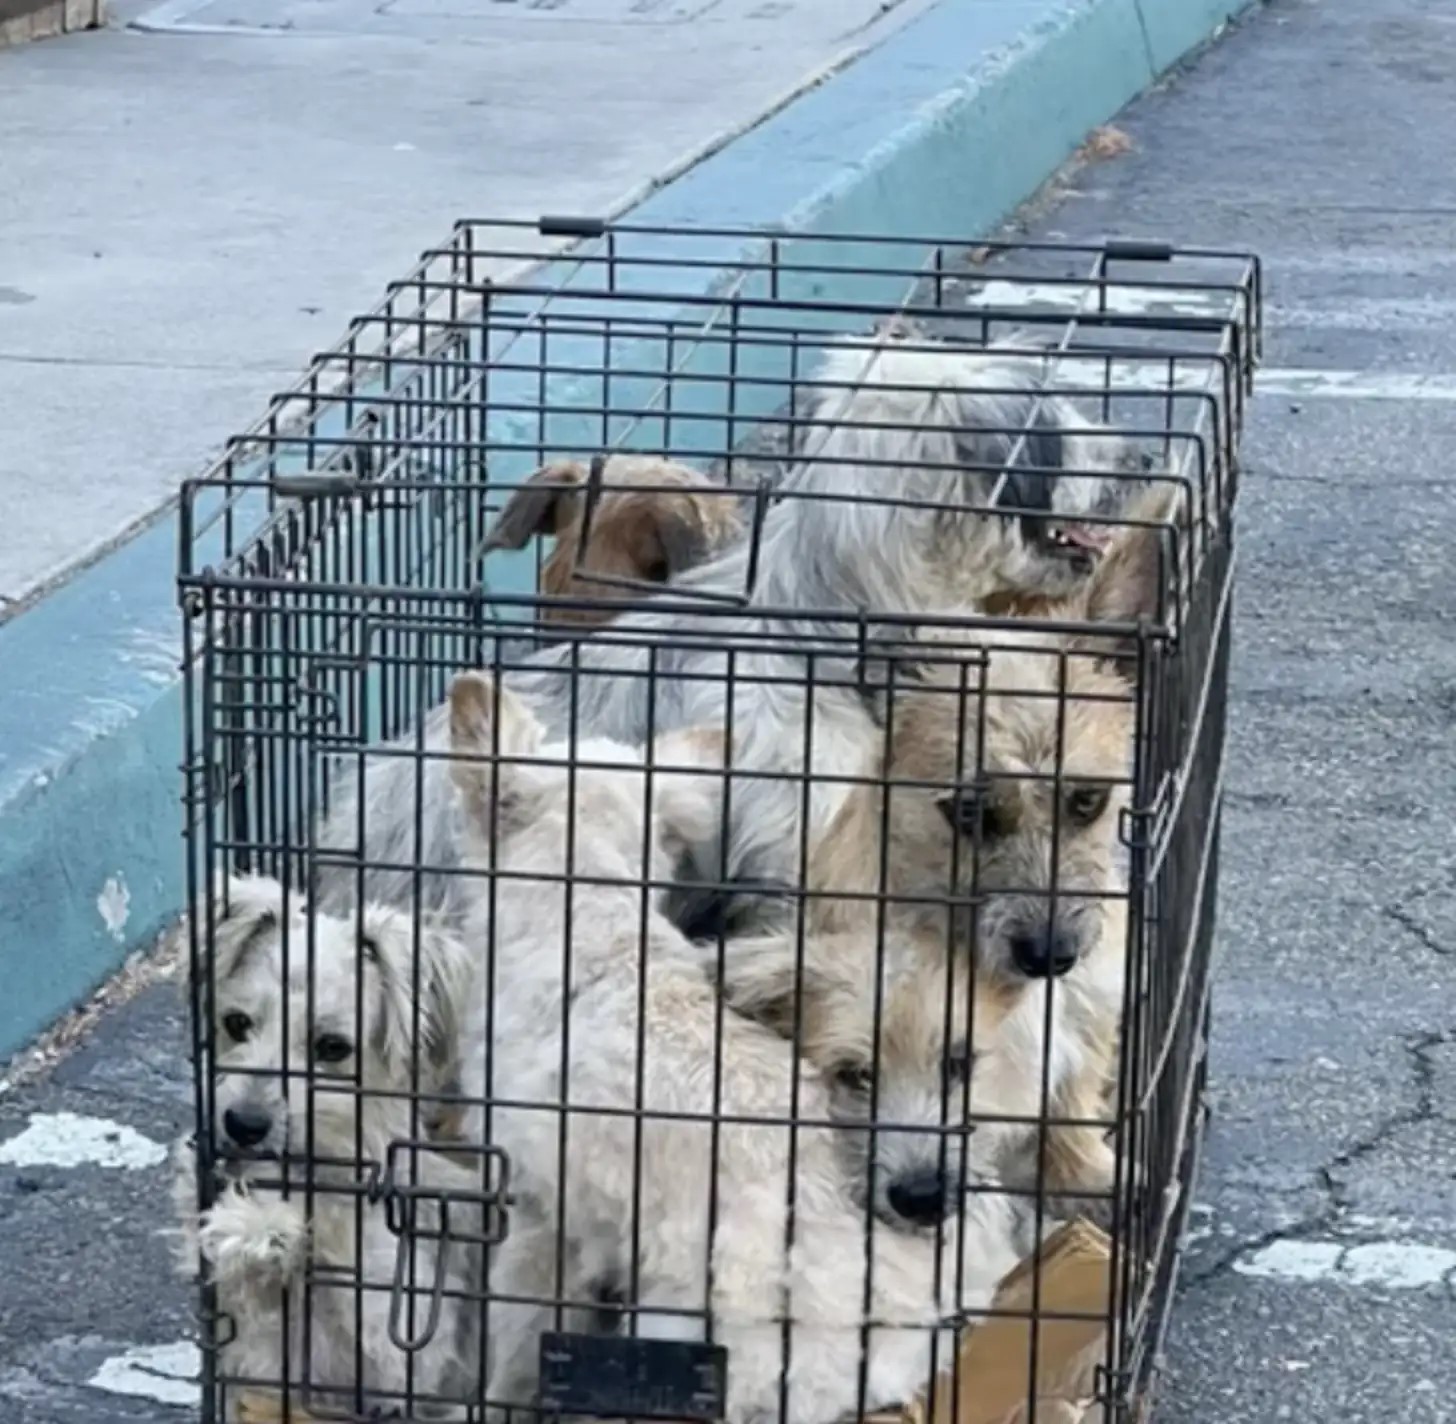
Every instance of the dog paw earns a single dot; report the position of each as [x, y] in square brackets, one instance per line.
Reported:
[241, 1235]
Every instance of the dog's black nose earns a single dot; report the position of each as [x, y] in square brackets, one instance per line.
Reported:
[919, 1197]
[1044, 953]
[247, 1125]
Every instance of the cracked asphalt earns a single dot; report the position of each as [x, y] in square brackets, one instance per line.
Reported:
[1319, 134]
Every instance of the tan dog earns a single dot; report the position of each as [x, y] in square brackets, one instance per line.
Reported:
[942, 1062]
[1008, 765]
[654, 520]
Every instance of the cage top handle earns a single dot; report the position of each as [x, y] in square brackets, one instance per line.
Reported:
[565, 225]
[1132, 249]
[1122, 248]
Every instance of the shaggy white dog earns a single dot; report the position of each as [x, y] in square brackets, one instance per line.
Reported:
[610, 1056]
[302, 1258]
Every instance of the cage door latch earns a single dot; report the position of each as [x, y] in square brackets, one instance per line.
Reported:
[438, 1205]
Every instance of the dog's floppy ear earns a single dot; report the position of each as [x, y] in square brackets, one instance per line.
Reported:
[438, 962]
[662, 532]
[246, 910]
[682, 534]
[704, 902]
[486, 720]
[549, 502]
[760, 980]
[1134, 577]
[766, 979]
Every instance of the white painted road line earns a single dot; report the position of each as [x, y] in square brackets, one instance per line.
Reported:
[1355, 385]
[1121, 298]
[65, 1139]
[1137, 372]
[166, 1373]
[1392, 1265]
[1195, 375]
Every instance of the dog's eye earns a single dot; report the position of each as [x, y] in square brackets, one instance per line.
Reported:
[959, 1060]
[331, 1048]
[238, 1026]
[1084, 804]
[970, 813]
[854, 1077]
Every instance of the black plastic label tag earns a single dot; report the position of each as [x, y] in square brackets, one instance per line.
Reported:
[649, 1379]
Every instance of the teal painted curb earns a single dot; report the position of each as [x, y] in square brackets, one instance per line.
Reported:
[941, 130]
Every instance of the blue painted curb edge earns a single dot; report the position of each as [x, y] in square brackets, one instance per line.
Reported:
[941, 130]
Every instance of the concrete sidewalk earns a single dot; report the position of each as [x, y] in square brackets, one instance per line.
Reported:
[191, 209]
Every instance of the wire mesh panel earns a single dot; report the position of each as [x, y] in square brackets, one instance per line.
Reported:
[703, 764]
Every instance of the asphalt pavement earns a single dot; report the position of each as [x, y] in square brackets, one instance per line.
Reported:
[1319, 1281]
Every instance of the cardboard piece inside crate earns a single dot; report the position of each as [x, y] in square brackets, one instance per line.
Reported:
[256, 1407]
[994, 1368]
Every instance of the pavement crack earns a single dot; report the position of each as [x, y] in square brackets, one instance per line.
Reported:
[1421, 1048]
[1423, 1072]
[1305, 1227]
[1419, 930]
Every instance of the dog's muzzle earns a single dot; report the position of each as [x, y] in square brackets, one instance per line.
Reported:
[247, 1125]
[1080, 545]
[1045, 952]
[919, 1196]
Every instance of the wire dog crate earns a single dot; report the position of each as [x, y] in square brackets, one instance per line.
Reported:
[693, 1015]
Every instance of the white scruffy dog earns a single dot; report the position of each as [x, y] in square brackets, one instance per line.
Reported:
[292, 1231]
[645, 1210]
